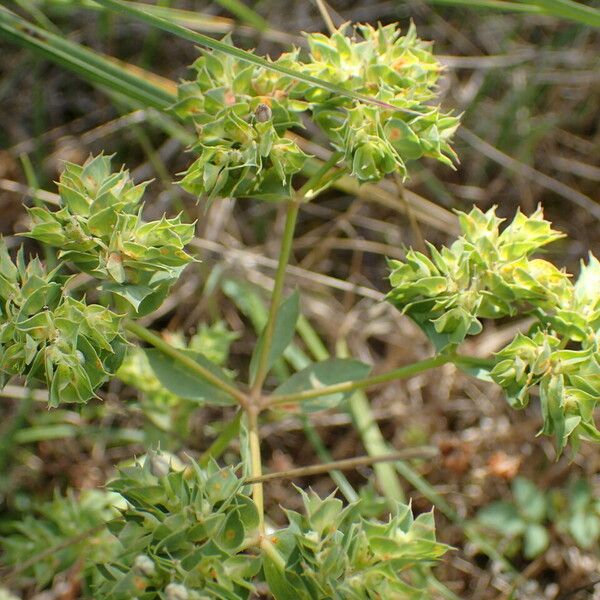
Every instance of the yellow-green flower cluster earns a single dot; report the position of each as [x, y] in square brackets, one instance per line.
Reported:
[182, 535]
[398, 70]
[46, 336]
[192, 534]
[568, 382]
[99, 229]
[561, 356]
[243, 112]
[485, 273]
[332, 549]
[490, 274]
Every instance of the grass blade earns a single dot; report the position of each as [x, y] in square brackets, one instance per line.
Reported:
[573, 11]
[493, 4]
[244, 13]
[203, 40]
[187, 18]
[562, 9]
[37, 15]
[145, 88]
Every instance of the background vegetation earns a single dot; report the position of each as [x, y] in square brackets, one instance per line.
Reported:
[525, 75]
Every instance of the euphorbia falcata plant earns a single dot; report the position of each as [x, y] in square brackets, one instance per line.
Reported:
[185, 530]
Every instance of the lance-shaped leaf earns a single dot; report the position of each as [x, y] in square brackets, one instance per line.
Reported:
[187, 384]
[322, 374]
[283, 333]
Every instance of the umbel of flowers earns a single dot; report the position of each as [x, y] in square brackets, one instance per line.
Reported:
[49, 335]
[243, 112]
[490, 274]
[99, 230]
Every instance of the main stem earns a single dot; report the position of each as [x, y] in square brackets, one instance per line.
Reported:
[256, 465]
[284, 256]
[308, 191]
[253, 407]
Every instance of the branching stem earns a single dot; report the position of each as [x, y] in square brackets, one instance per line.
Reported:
[347, 464]
[359, 384]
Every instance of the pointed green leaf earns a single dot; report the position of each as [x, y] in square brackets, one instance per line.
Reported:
[325, 373]
[285, 326]
[283, 584]
[183, 383]
[134, 294]
[230, 538]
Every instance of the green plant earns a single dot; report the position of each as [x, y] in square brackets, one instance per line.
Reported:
[191, 533]
[194, 532]
[523, 523]
[60, 533]
[578, 513]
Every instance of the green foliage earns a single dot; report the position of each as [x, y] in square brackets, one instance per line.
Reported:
[578, 513]
[193, 533]
[166, 411]
[485, 273]
[524, 522]
[214, 341]
[100, 230]
[521, 520]
[187, 384]
[183, 534]
[399, 70]
[330, 552]
[49, 536]
[243, 111]
[283, 333]
[325, 373]
[188, 532]
[568, 379]
[46, 336]
[491, 274]
[167, 414]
